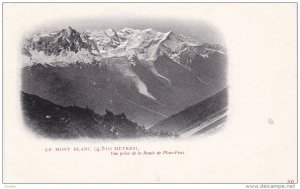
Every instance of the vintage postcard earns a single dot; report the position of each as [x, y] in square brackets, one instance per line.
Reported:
[150, 93]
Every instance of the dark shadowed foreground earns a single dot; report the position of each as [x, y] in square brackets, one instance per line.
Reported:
[55, 121]
[51, 120]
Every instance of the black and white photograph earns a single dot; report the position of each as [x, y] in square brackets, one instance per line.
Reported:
[151, 80]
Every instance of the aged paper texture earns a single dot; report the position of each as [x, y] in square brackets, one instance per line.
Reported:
[137, 92]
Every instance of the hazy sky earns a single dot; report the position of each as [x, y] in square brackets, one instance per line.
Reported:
[200, 30]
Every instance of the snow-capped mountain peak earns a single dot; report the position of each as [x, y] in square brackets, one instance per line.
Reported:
[94, 45]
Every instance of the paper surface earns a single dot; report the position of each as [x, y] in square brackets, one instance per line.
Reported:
[258, 144]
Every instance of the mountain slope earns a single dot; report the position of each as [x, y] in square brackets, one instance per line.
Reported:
[51, 120]
[200, 112]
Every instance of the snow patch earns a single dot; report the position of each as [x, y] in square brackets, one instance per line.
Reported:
[142, 88]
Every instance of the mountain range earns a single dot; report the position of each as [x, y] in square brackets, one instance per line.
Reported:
[147, 74]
